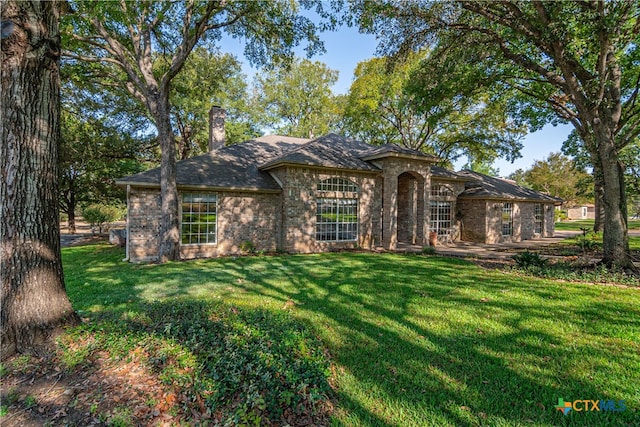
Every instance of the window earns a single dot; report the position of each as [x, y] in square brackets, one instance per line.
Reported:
[337, 184]
[441, 190]
[507, 219]
[199, 218]
[538, 219]
[440, 221]
[337, 220]
[337, 211]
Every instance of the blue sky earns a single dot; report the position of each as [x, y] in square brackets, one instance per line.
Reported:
[346, 48]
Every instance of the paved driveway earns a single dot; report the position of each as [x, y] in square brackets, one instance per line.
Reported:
[500, 250]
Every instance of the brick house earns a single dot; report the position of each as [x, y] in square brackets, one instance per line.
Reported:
[302, 196]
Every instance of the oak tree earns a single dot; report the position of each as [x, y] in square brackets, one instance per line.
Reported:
[577, 59]
[143, 45]
[34, 301]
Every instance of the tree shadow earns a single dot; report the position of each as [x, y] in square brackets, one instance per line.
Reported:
[431, 341]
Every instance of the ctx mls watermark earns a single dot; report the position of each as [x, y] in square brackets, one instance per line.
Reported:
[587, 405]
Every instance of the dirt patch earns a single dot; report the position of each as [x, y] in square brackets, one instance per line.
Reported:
[38, 391]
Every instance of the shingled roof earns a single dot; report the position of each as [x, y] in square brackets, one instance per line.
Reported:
[393, 150]
[329, 151]
[231, 167]
[245, 166]
[438, 172]
[482, 186]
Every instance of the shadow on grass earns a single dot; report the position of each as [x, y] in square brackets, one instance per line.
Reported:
[420, 341]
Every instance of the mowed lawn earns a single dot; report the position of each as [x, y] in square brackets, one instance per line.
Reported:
[412, 340]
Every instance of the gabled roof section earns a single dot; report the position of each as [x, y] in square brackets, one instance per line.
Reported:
[231, 167]
[482, 186]
[438, 172]
[393, 150]
[329, 151]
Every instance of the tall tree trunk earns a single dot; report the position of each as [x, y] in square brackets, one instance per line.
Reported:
[598, 194]
[34, 300]
[169, 225]
[615, 243]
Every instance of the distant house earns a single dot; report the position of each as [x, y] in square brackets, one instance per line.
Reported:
[329, 193]
[587, 211]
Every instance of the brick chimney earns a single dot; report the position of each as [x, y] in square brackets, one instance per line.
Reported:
[216, 127]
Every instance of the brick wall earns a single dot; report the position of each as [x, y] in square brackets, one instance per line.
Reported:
[473, 220]
[143, 224]
[299, 208]
[242, 217]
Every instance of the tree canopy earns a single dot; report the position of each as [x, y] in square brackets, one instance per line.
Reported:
[576, 60]
[142, 46]
[296, 98]
[414, 103]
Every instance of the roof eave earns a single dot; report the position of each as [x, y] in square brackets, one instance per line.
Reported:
[201, 187]
[268, 167]
[428, 158]
[510, 199]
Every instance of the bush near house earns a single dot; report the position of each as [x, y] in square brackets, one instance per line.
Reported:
[100, 216]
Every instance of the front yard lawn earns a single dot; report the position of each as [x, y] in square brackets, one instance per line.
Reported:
[404, 340]
[576, 225]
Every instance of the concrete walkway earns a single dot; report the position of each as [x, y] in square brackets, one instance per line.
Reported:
[497, 251]
[501, 250]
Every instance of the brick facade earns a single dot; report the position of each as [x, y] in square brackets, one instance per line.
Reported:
[481, 221]
[242, 217]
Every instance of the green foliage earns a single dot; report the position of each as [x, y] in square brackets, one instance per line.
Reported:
[100, 215]
[412, 339]
[528, 259]
[420, 105]
[248, 247]
[558, 176]
[560, 215]
[428, 250]
[297, 98]
[590, 242]
[210, 78]
[249, 365]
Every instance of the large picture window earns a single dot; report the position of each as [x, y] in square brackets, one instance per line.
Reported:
[440, 221]
[337, 210]
[507, 219]
[538, 218]
[199, 218]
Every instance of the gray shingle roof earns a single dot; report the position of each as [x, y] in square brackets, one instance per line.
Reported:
[233, 166]
[482, 186]
[329, 151]
[442, 173]
[393, 149]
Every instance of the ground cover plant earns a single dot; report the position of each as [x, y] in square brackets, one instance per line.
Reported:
[402, 340]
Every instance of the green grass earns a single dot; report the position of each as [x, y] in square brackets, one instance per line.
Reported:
[413, 340]
[576, 225]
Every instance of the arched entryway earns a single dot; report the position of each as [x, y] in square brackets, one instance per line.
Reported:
[411, 208]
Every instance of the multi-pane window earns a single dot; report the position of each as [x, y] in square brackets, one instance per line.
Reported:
[440, 221]
[441, 190]
[538, 218]
[337, 219]
[337, 210]
[507, 219]
[198, 218]
[337, 184]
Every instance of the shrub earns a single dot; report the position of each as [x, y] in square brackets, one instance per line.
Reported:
[100, 215]
[560, 215]
[428, 250]
[528, 259]
[248, 247]
[590, 242]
